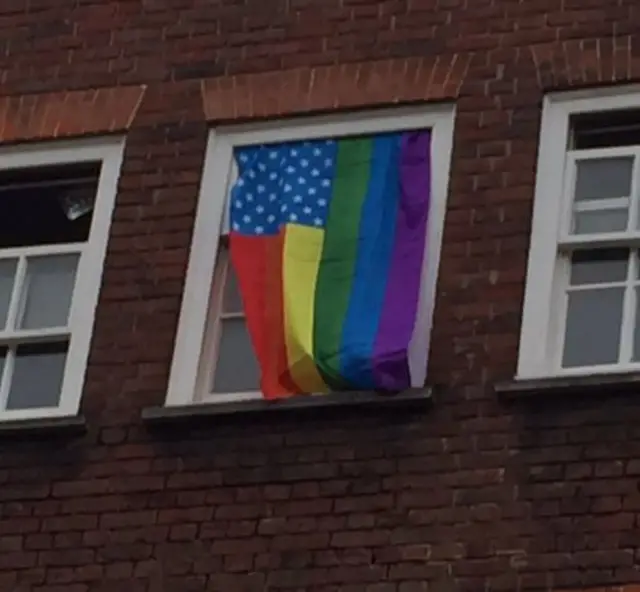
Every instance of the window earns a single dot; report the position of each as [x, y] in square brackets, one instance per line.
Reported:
[582, 302]
[229, 363]
[55, 208]
[214, 361]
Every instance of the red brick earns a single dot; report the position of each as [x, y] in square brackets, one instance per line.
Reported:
[475, 494]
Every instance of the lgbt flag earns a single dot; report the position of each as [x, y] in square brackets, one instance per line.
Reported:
[327, 240]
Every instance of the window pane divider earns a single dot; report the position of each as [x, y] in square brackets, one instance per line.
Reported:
[17, 295]
[44, 335]
[597, 153]
[596, 286]
[230, 316]
[49, 183]
[601, 205]
[34, 251]
[604, 240]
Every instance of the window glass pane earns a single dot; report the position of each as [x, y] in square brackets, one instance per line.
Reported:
[232, 300]
[594, 319]
[598, 221]
[598, 266]
[604, 178]
[37, 376]
[7, 273]
[48, 288]
[47, 205]
[237, 368]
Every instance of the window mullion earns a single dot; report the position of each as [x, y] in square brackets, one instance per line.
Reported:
[17, 295]
[628, 311]
[7, 375]
[632, 223]
[558, 314]
[630, 295]
[566, 215]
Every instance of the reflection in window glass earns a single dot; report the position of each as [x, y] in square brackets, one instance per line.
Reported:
[598, 266]
[592, 333]
[600, 221]
[37, 376]
[237, 368]
[49, 287]
[604, 178]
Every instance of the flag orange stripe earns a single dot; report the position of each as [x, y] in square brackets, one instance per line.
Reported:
[278, 382]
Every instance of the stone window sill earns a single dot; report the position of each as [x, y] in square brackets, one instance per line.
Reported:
[590, 385]
[313, 406]
[46, 427]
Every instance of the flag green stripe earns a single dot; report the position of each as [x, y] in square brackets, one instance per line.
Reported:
[338, 260]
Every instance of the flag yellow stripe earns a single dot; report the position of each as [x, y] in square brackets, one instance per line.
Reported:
[300, 262]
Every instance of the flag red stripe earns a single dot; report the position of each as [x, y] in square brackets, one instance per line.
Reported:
[257, 261]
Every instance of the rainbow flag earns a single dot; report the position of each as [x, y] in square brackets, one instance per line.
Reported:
[328, 239]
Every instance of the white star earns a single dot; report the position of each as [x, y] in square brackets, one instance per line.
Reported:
[236, 226]
[294, 152]
[273, 176]
[244, 158]
[293, 217]
[262, 167]
[272, 197]
[297, 199]
[246, 219]
[259, 209]
[287, 188]
[238, 204]
[302, 180]
[261, 189]
[326, 182]
[240, 182]
[322, 202]
[273, 155]
[304, 163]
[317, 152]
[251, 174]
[307, 210]
[271, 218]
[249, 197]
[328, 162]
[283, 208]
[291, 169]
[318, 222]
[315, 172]
[312, 190]
[259, 230]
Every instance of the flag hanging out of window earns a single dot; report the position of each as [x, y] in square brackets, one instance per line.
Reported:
[328, 243]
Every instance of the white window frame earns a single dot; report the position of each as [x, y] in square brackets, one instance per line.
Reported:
[544, 311]
[108, 152]
[200, 293]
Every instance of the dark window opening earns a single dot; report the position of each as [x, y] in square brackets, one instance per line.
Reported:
[47, 205]
[605, 129]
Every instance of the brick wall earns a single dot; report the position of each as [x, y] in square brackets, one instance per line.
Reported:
[474, 495]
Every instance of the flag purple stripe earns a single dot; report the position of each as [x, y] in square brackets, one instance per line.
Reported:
[390, 354]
